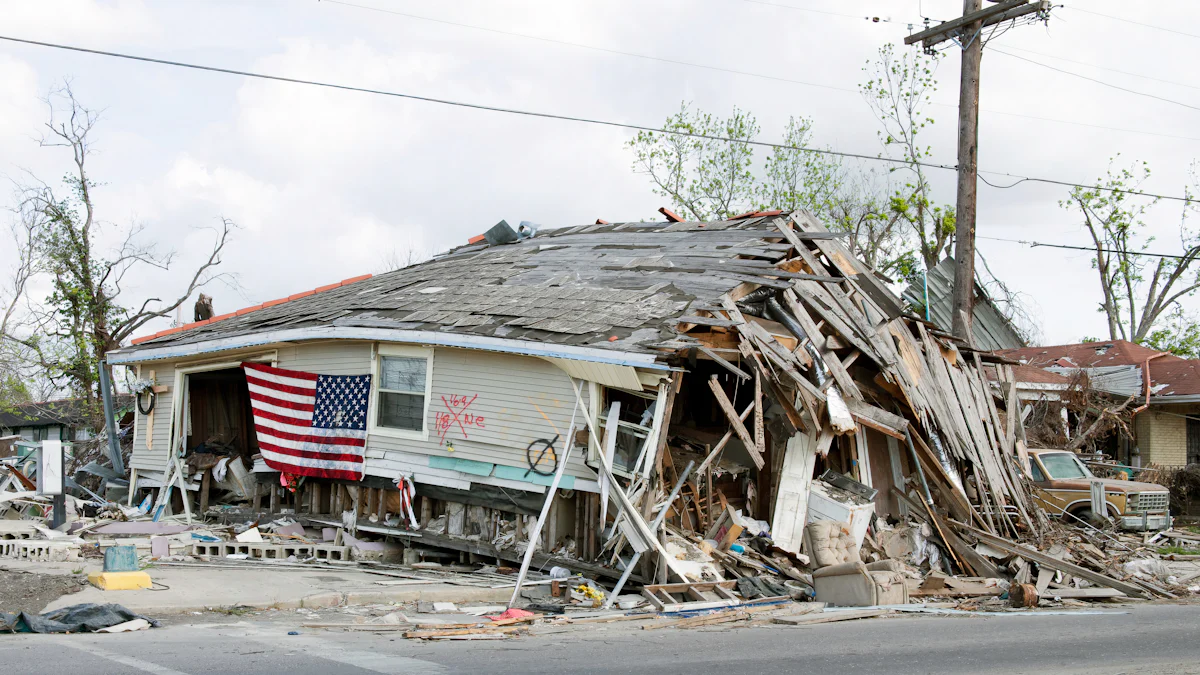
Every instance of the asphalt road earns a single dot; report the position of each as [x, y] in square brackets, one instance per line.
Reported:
[1145, 639]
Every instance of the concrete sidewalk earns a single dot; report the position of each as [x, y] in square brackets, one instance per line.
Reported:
[194, 589]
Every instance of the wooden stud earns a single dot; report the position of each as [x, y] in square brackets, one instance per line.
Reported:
[205, 487]
[274, 496]
[735, 421]
[760, 443]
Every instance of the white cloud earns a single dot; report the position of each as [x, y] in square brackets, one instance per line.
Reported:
[99, 23]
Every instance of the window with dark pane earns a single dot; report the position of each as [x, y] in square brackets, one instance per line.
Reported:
[402, 392]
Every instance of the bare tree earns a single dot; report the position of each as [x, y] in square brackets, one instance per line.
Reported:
[85, 314]
[1137, 290]
[399, 258]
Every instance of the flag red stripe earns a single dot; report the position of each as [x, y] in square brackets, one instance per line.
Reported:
[309, 454]
[307, 438]
[280, 403]
[336, 474]
[282, 419]
[297, 374]
[299, 391]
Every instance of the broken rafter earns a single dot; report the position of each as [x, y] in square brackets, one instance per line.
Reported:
[736, 422]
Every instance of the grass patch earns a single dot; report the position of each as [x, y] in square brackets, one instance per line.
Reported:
[232, 610]
[1179, 550]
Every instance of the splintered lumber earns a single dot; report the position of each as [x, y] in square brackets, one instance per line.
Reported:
[1051, 562]
[736, 422]
[878, 419]
[830, 617]
[724, 616]
[724, 363]
[434, 634]
[721, 443]
[1082, 593]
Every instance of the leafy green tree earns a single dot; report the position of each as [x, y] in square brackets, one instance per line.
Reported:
[1140, 293]
[705, 178]
[897, 90]
[708, 179]
[1178, 333]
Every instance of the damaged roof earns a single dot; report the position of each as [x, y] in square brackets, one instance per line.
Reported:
[65, 411]
[1116, 366]
[621, 286]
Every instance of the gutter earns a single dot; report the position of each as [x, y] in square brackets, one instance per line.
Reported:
[421, 337]
[1146, 381]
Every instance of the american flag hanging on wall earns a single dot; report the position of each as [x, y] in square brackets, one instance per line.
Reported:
[308, 424]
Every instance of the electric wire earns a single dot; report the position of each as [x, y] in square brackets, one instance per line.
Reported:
[1097, 81]
[721, 69]
[1100, 67]
[1090, 249]
[1136, 23]
[579, 45]
[566, 118]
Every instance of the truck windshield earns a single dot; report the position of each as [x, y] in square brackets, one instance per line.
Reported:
[1064, 466]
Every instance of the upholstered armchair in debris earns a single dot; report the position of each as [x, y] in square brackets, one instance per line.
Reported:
[840, 577]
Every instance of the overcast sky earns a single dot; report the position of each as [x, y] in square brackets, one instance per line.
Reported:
[325, 184]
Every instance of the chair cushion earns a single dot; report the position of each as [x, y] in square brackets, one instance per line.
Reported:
[830, 543]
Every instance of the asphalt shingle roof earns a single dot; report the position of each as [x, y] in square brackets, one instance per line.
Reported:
[621, 285]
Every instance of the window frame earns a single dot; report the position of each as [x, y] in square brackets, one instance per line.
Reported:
[403, 351]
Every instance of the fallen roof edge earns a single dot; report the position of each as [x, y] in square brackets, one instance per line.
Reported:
[483, 342]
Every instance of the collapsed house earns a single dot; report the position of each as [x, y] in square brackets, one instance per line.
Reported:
[753, 363]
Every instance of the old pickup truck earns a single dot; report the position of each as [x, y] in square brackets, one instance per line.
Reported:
[1063, 484]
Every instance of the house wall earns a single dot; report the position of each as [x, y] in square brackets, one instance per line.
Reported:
[518, 399]
[154, 458]
[1162, 434]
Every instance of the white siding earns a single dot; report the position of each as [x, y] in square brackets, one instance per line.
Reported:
[156, 457]
[509, 390]
[519, 398]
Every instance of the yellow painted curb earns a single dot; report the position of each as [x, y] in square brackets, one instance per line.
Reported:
[120, 581]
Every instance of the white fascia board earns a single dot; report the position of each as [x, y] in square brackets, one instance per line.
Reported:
[419, 337]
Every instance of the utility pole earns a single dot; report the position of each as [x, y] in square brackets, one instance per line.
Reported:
[967, 32]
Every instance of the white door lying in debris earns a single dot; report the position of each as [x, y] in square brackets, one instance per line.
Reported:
[791, 501]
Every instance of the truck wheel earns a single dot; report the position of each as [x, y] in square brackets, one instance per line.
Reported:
[1088, 516]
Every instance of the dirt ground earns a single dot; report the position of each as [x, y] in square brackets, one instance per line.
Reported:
[22, 591]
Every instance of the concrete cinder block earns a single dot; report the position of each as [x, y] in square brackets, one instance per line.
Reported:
[301, 551]
[331, 552]
[206, 549]
[265, 551]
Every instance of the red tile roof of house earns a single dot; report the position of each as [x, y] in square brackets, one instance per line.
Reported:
[1084, 354]
[1170, 375]
[247, 310]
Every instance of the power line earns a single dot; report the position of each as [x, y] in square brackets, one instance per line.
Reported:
[606, 50]
[731, 71]
[565, 118]
[1092, 79]
[1136, 23]
[873, 19]
[1091, 249]
[1111, 70]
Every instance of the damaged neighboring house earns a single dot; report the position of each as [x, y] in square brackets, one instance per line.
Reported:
[934, 297]
[752, 363]
[1164, 387]
[59, 420]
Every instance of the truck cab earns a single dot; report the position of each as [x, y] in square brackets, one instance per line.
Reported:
[1063, 485]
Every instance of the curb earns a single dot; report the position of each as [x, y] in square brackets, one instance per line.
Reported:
[329, 599]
